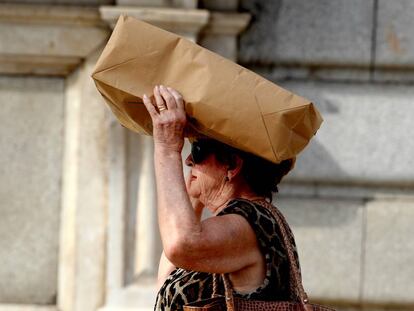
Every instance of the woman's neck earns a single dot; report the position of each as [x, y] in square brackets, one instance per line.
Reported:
[246, 194]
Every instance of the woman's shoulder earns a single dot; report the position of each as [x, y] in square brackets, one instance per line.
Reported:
[248, 209]
[258, 216]
[271, 243]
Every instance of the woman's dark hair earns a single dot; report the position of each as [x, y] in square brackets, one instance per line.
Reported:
[261, 175]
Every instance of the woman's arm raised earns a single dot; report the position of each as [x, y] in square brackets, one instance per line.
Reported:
[219, 244]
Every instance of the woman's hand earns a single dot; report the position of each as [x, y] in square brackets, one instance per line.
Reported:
[168, 118]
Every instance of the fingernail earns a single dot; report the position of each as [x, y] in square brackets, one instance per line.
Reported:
[162, 86]
[145, 96]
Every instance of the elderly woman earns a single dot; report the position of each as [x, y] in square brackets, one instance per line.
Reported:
[242, 240]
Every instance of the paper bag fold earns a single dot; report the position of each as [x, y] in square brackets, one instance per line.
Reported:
[223, 100]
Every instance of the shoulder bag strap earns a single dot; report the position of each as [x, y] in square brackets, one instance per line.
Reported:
[284, 230]
[295, 276]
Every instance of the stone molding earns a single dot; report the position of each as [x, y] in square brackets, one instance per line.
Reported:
[32, 38]
[221, 32]
[217, 31]
[13, 307]
[220, 5]
[38, 64]
[48, 14]
[186, 22]
[189, 4]
[36, 46]
[226, 23]
[181, 20]
[346, 191]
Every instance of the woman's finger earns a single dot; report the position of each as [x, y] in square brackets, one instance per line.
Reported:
[178, 98]
[159, 101]
[150, 107]
[168, 98]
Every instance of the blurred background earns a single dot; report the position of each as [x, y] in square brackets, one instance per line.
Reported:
[78, 226]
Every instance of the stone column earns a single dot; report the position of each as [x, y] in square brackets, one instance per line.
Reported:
[85, 194]
[221, 33]
[116, 225]
[60, 42]
[146, 237]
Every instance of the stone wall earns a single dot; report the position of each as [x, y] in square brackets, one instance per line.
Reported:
[352, 191]
[31, 140]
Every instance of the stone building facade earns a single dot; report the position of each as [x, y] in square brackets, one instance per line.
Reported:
[77, 203]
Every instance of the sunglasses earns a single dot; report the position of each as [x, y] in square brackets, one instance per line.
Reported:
[200, 150]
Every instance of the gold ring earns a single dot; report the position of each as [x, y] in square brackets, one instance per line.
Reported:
[161, 108]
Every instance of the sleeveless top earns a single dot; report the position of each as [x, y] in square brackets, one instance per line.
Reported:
[183, 286]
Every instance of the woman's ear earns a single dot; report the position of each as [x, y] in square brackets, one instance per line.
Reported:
[235, 167]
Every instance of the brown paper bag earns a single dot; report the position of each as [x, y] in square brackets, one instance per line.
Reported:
[223, 100]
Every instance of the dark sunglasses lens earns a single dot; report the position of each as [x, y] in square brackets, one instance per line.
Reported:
[197, 153]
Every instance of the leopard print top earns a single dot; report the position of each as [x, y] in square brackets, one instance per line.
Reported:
[182, 286]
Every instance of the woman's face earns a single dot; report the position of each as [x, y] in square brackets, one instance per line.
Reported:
[206, 179]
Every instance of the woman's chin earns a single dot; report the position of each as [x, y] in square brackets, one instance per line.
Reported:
[193, 194]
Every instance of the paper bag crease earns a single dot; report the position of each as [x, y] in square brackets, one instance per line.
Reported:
[223, 100]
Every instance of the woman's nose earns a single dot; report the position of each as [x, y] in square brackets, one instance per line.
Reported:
[189, 160]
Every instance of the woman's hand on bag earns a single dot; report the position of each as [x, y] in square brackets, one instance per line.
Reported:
[168, 116]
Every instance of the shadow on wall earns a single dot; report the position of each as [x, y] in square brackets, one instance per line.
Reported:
[316, 165]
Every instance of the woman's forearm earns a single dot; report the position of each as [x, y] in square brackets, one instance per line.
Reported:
[177, 220]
